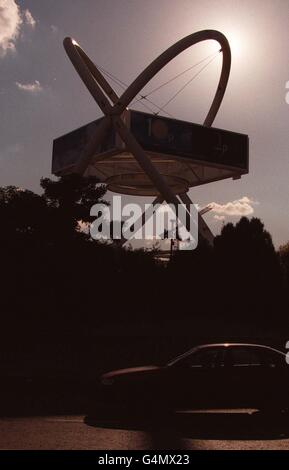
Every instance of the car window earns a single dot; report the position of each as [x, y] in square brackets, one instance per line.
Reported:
[202, 358]
[242, 357]
[272, 359]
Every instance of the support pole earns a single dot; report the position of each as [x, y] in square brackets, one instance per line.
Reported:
[203, 228]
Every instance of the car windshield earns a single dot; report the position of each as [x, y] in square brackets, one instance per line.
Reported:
[181, 356]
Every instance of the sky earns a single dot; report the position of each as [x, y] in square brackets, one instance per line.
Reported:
[41, 96]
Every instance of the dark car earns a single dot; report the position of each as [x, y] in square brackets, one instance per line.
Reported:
[227, 375]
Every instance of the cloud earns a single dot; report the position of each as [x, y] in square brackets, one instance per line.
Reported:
[10, 23]
[28, 18]
[34, 87]
[237, 208]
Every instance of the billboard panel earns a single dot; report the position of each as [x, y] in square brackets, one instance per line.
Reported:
[193, 141]
[67, 149]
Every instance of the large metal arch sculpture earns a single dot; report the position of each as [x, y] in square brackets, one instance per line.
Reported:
[113, 106]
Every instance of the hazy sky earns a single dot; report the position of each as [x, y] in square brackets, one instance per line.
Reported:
[42, 97]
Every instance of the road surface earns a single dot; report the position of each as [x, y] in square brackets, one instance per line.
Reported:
[200, 431]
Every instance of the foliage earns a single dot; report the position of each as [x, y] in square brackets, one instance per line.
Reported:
[56, 281]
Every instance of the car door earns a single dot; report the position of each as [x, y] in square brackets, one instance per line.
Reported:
[248, 372]
[196, 380]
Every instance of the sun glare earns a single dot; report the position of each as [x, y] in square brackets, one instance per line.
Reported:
[236, 43]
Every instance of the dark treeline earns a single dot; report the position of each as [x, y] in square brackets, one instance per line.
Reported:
[66, 296]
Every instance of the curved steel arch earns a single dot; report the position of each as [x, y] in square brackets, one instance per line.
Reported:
[93, 79]
[172, 52]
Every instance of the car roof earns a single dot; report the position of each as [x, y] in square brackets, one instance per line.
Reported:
[223, 345]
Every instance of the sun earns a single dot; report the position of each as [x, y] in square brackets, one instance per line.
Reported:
[237, 43]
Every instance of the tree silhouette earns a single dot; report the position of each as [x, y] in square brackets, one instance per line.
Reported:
[247, 269]
[69, 200]
[21, 213]
[284, 259]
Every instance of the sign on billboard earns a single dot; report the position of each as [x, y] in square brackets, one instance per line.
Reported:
[188, 140]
